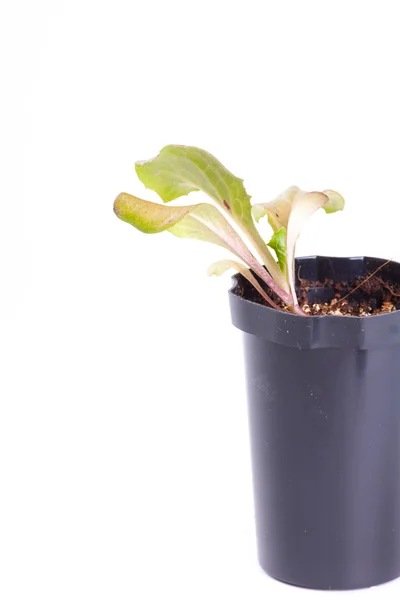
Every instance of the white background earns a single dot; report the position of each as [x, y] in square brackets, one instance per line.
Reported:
[124, 463]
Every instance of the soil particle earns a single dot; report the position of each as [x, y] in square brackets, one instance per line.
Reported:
[357, 298]
[360, 297]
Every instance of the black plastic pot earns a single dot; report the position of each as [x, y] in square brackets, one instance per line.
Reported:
[324, 412]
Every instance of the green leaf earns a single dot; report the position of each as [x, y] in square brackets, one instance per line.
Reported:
[336, 202]
[278, 243]
[148, 217]
[198, 221]
[179, 170]
[220, 267]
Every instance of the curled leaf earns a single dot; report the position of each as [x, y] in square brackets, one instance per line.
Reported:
[220, 267]
[198, 221]
[278, 210]
[335, 203]
[178, 170]
[289, 211]
[148, 217]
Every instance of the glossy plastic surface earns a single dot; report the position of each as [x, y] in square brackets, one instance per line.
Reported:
[324, 413]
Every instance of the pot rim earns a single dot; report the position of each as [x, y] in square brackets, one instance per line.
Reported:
[318, 331]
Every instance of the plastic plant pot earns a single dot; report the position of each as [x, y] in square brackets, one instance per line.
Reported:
[324, 414]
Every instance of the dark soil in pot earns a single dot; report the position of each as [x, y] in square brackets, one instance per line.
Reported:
[324, 414]
[373, 293]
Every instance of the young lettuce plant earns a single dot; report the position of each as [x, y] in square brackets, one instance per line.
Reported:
[179, 170]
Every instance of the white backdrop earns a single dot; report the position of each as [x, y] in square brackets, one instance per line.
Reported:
[124, 463]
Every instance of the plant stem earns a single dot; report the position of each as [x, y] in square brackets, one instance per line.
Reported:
[270, 264]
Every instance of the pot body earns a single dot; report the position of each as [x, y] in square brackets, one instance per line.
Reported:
[324, 414]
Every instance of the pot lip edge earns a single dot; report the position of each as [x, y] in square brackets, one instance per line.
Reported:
[234, 283]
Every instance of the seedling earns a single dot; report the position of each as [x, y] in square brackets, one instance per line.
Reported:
[179, 170]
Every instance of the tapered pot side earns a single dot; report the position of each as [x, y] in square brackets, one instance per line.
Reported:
[324, 415]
